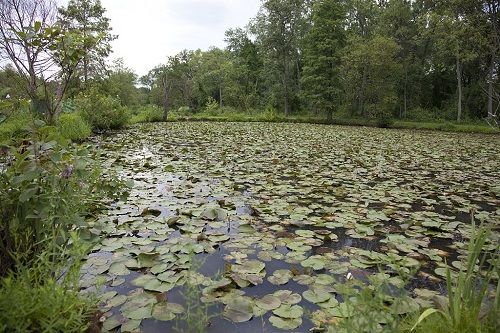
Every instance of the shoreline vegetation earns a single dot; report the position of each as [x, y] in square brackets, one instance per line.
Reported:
[84, 249]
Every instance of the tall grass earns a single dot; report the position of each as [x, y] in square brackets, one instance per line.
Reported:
[469, 307]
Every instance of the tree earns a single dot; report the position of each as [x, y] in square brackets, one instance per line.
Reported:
[322, 56]
[44, 54]
[372, 65]
[279, 27]
[492, 11]
[87, 17]
[457, 39]
[120, 83]
[247, 68]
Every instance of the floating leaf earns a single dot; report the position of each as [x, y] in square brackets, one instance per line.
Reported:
[239, 310]
[285, 324]
[289, 311]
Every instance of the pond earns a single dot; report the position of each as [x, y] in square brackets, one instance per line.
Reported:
[250, 227]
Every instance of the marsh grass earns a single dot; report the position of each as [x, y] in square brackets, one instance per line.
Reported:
[468, 306]
[198, 316]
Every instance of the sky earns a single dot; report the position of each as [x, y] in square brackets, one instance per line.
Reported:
[151, 30]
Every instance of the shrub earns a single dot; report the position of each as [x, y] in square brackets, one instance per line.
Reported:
[46, 190]
[211, 107]
[73, 127]
[43, 296]
[184, 111]
[15, 127]
[148, 114]
[101, 112]
[384, 121]
[270, 113]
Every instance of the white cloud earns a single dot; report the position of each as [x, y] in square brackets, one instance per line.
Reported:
[151, 30]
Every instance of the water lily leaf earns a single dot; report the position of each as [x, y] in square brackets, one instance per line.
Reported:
[116, 301]
[112, 323]
[119, 269]
[147, 259]
[285, 324]
[159, 269]
[142, 280]
[315, 262]
[239, 310]
[316, 297]
[249, 267]
[158, 286]
[130, 326]
[280, 277]
[118, 282]
[108, 295]
[214, 213]
[139, 313]
[166, 311]
[288, 297]
[289, 311]
[268, 302]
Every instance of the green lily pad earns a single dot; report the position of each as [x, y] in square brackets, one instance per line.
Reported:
[316, 297]
[289, 311]
[249, 267]
[285, 324]
[239, 310]
[280, 277]
[268, 302]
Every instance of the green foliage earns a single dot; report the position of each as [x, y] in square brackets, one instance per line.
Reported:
[464, 309]
[322, 49]
[46, 190]
[15, 127]
[211, 107]
[87, 17]
[43, 296]
[100, 111]
[370, 75]
[148, 114]
[72, 126]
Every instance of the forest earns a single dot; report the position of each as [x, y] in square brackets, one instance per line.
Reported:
[335, 167]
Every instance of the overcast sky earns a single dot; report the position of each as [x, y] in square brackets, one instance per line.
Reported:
[151, 30]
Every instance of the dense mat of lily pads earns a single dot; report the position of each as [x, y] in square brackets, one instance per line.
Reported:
[267, 218]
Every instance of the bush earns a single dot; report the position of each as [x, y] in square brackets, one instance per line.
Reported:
[211, 107]
[16, 127]
[148, 114]
[184, 111]
[73, 127]
[101, 112]
[384, 122]
[46, 190]
[44, 297]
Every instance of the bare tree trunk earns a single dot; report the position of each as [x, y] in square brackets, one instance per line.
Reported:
[405, 109]
[361, 103]
[285, 83]
[220, 95]
[329, 115]
[490, 88]
[165, 98]
[459, 84]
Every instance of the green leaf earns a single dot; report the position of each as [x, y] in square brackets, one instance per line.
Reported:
[423, 316]
[37, 26]
[239, 310]
[285, 324]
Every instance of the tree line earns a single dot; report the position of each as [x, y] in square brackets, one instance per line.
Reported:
[409, 59]
[359, 58]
